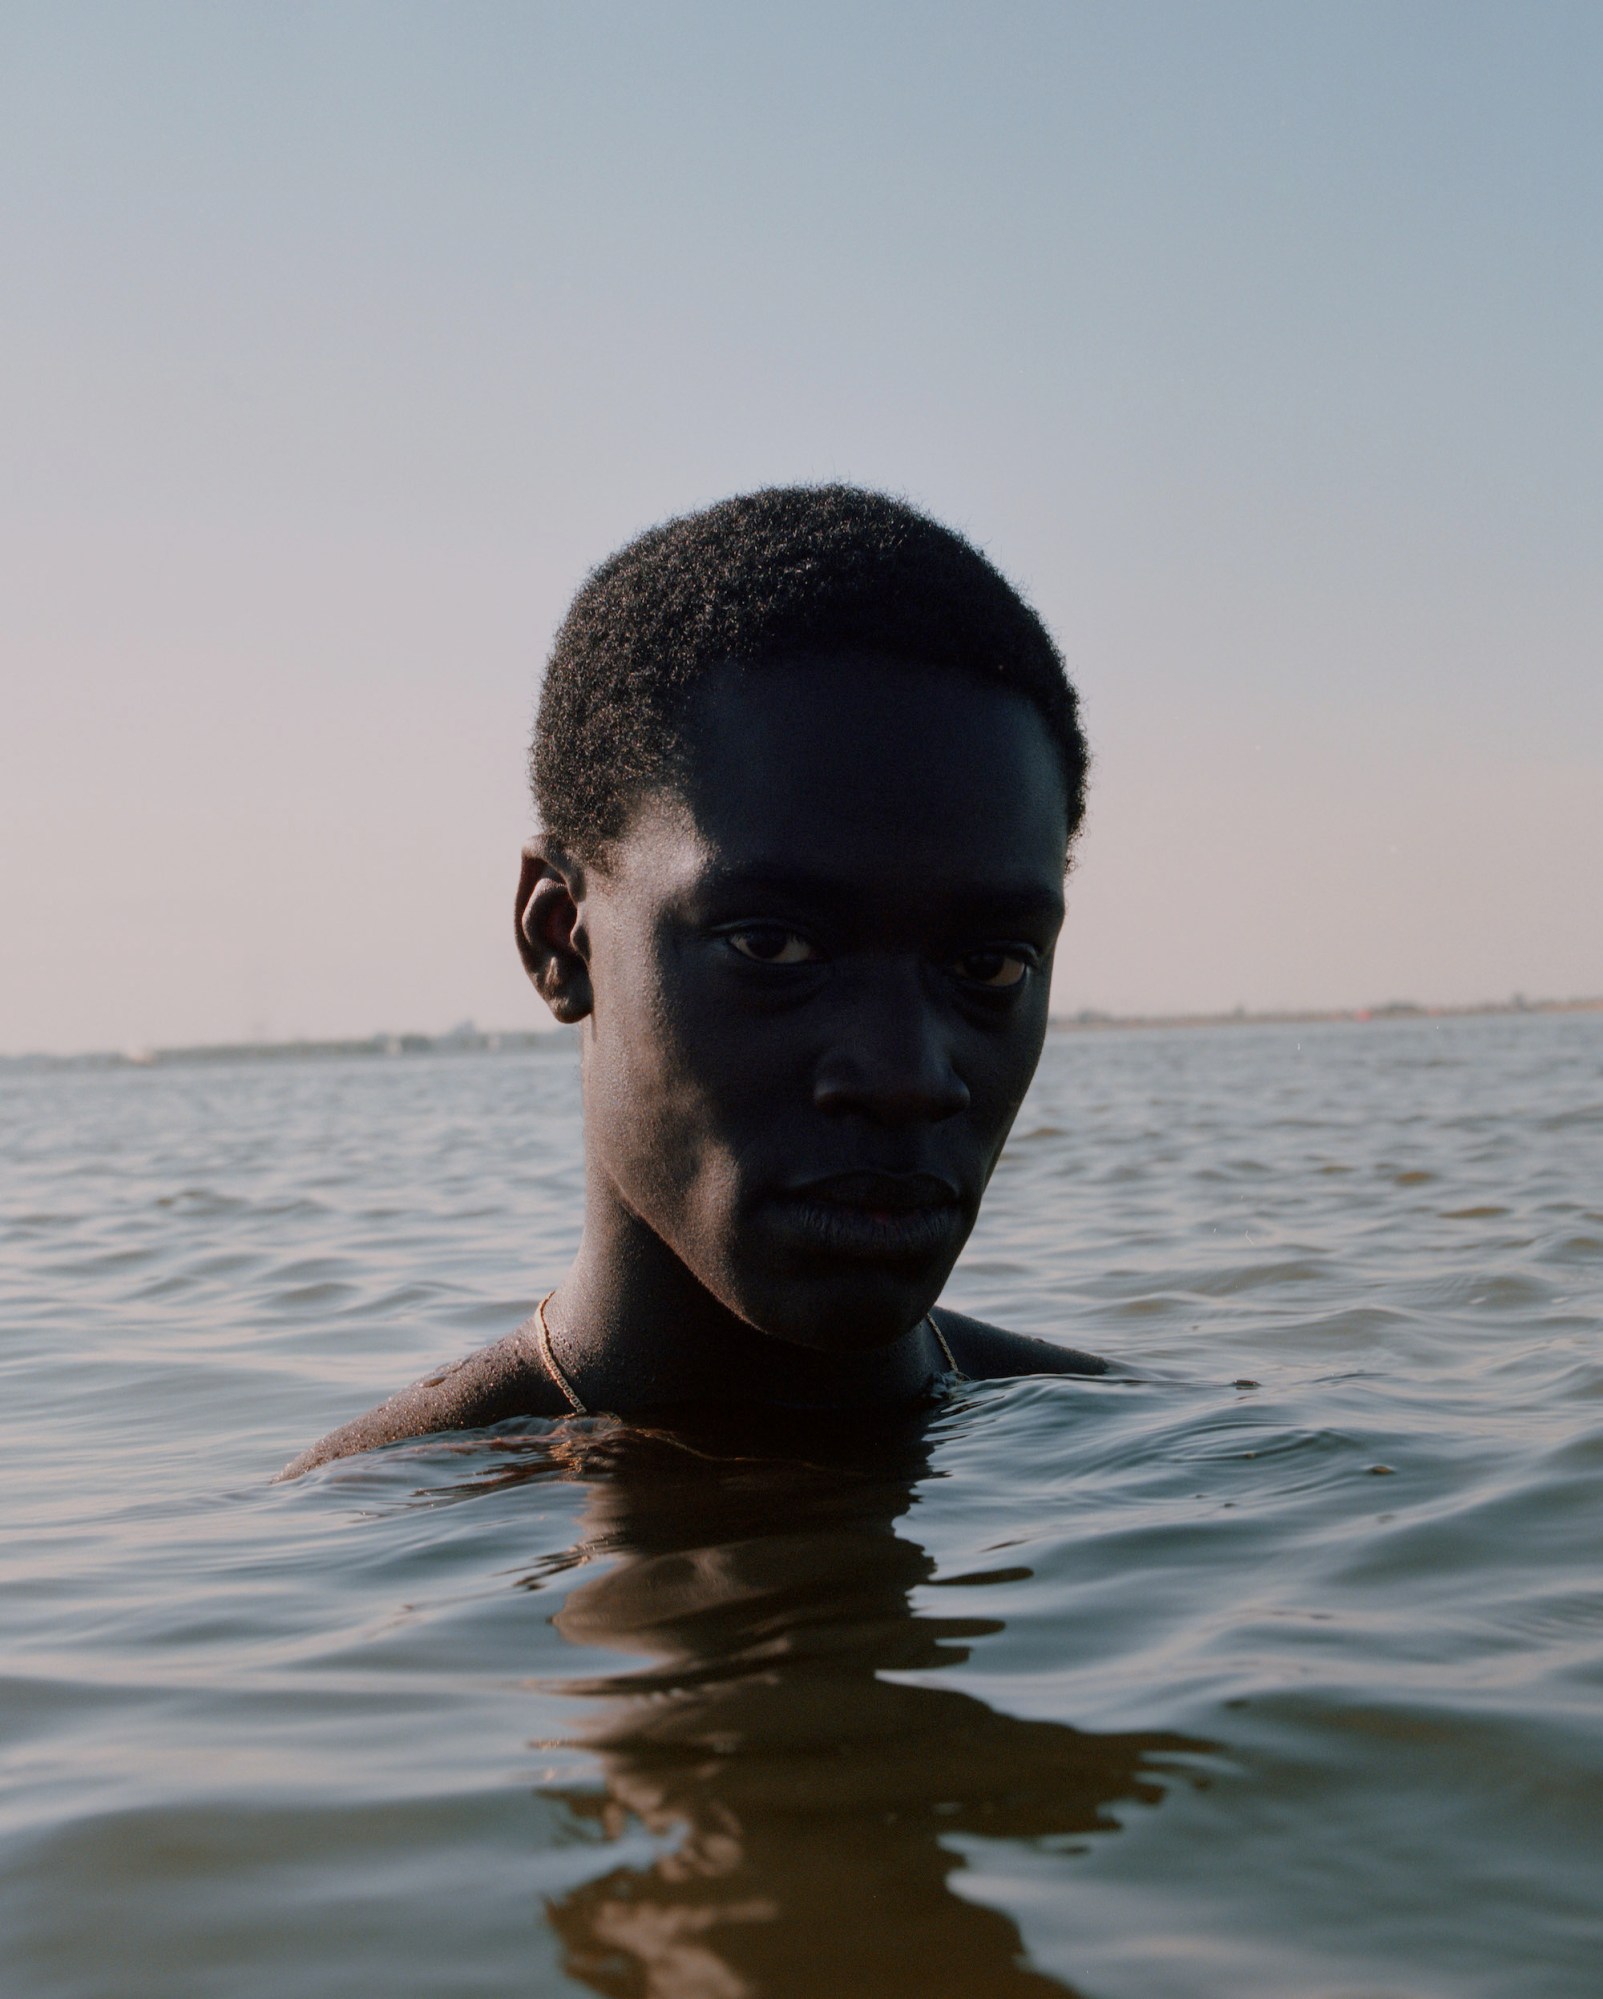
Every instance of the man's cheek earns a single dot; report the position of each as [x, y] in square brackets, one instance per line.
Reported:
[667, 1130]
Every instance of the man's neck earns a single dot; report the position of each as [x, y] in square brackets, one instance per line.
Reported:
[633, 1329]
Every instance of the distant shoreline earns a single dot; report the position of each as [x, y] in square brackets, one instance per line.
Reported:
[470, 1040]
[1391, 1010]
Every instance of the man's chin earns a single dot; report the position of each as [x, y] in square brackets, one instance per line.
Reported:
[862, 1313]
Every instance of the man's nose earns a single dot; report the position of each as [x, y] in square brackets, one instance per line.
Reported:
[889, 1059]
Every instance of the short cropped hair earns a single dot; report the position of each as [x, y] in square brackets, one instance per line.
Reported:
[788, 572]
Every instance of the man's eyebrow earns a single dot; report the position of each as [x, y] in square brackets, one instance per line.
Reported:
[773, 878]
[1010, 897]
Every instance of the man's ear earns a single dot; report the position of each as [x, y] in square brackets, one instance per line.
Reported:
[550, 928]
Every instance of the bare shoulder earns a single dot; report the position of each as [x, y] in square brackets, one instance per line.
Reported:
[991, 1353]
[506, 1379]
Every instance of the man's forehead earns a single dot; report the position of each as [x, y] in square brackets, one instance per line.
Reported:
[853, 746]
[671, 853]
[803, 688]
[847, 780]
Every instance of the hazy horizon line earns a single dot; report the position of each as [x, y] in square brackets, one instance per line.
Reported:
[468, 1038]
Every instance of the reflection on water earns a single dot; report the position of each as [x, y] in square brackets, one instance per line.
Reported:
[808, 1802]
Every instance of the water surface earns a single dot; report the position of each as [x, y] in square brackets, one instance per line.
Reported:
[1278, 1670]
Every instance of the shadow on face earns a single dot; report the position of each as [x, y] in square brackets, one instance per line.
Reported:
[810, 1801]
[820, 971]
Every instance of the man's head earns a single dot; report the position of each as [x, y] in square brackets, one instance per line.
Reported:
[793, 571]
[809, 769]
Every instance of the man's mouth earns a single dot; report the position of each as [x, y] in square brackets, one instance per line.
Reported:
[875, 1216]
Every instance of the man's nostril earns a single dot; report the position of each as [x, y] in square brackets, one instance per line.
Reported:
[890, 1091]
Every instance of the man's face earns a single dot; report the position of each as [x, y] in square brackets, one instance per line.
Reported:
[820, 971]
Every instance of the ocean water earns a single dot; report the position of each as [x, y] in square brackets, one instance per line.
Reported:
[1275, 1667]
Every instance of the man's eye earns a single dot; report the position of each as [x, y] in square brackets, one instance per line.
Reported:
[995, 968]
[768, 944]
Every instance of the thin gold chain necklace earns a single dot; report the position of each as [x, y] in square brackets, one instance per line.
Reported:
[550, 1359]
[554, 1368]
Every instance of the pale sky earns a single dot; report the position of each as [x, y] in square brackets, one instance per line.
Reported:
[1259, 343]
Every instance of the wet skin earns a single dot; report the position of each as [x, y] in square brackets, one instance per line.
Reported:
[811, 981]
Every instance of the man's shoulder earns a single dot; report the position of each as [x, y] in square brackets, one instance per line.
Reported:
[991, 1353]
[489, 1386]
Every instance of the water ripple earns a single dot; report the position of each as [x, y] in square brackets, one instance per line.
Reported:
[1273, 1665]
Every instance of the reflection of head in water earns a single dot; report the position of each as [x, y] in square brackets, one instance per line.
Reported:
[810, 1799]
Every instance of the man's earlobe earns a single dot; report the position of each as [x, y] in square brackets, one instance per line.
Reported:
[550, 931]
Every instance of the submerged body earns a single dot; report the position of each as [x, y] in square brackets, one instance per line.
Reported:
[512, 1378]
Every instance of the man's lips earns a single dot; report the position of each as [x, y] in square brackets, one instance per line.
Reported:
[873, 1217]
[879, 1193]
